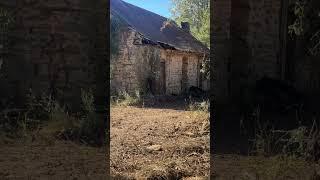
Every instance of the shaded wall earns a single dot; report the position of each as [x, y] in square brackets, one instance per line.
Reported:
[56, 47]
[245, 45]
[221, 47]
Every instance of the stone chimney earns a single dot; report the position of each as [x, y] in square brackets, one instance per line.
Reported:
[185, 26]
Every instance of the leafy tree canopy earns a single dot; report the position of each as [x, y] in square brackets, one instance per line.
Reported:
[197, 13]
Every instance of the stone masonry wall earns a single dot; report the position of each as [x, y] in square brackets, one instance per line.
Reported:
[246, 44]
[174, 70]
[56, 47]
[246, 47]
[263, 38]
[255, 44]
[136, 63]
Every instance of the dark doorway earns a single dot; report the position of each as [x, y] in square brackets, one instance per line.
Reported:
[184, 75]
[163, 78]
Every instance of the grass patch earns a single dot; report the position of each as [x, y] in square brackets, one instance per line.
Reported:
[45, 119]
[126, 99]
[284, 154]
[203, 106]
[302, 142]
[200, 111]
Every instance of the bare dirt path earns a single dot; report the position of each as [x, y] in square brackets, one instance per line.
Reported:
[178, 146]
[57, 160]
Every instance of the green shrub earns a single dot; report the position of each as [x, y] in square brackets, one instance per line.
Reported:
[90, 122]
[60, 124]
[202, 106]
[302, 142]
[125, 99]
[48, 118]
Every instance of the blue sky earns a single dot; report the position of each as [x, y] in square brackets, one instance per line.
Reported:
[161, 7]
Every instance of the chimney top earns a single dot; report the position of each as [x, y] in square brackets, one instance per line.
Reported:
[185, 26]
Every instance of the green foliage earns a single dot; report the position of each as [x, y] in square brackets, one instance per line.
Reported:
[302, 142]
[307, 23]
[39, 107]
[202, 106]
[197, 13]
[90, 122]
[87, 100]
[45, 118]
[5, 18]
[297, 27]
[205, 67]
[125, 99]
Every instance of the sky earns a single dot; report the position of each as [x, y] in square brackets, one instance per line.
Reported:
[161, 7]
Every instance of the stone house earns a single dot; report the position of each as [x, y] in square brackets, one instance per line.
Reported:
[155, 55]
[250, 40]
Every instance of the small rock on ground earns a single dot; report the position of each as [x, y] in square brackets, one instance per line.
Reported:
[154, 148]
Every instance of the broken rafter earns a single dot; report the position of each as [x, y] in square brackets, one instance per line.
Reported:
[147, 41]
[166, 46]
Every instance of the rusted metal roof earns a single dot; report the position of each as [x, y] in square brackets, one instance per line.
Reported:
[156, 28]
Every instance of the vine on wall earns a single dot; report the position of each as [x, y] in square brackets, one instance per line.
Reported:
[307, 23]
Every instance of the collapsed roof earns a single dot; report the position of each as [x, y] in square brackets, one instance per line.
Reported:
[156, 28]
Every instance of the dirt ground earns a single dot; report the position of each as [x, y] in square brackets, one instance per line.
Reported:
[151, 142]
[184, 152]
[234, 167]
[54, 160]
[159, 143]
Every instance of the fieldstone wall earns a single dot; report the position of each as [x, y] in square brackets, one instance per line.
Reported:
[246, 47]
[136, 63]
[263, 38]
[56, 47]
[173, 61]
